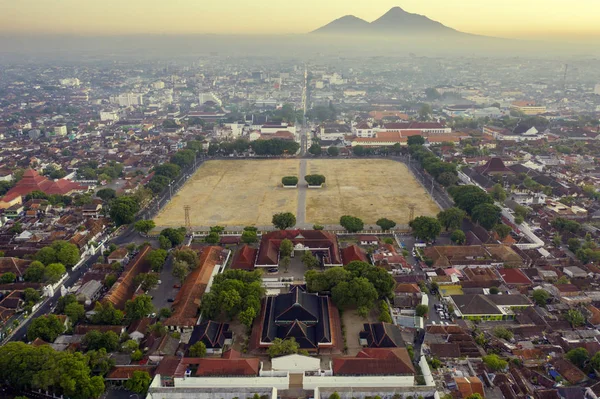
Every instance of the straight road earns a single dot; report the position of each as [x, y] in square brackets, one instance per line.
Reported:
[301, 210]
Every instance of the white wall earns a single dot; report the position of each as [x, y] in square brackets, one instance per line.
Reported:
[232, 382]
[312, 382]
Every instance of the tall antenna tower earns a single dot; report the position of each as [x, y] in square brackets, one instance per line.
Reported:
[411, 213]
[188, 221]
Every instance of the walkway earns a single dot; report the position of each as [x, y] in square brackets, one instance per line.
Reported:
[301, 210]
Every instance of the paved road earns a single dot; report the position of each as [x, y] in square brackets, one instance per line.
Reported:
[301, 210]
[21, 331]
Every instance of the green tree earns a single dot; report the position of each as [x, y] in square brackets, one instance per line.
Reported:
[557, 240]
[502, 230]
[540, 297]
[384, 312]
[522, 211]
[447, 179]
[175, 236]
[498, 193]
[333, 151]
[75, 312]
[385, 224]
[139, 382]
[573, 243]
[35, 272]
[139, 307]
[575, 317]
[284, 220]
[180, 270]
[249, 237]
[284, 262]
[578, 356]
[494, 362]
[451, 218]
[334, 395]
[106, 314]
[357, 292]
[315, 149]
[157, 258]
[146, 280]
[106, 194]
[595, 361]
[502, 332]
[96, 340]
[351, 223]
[282, 347]
[186, 255]
[123, 210]
[247, 316]
[422, 310]
[47, 327]
[144, 226]
[25, 367]
[289, 180]
[415, 140]
[212, 238]
[487, 215]
[309, 260]
[286, 247]
[519, 220]
[314, 180]
[458, 237]
[426, 228]
[7, 278]
[46, 255]
[468, 197]
[53, 272]
[474, 396]
[197, 350]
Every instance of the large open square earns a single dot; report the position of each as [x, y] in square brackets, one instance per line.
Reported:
[367, 188]
[233, 193]
[249, 192]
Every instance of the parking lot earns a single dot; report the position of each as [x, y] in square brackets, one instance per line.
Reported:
[295, 271]
[165, 290]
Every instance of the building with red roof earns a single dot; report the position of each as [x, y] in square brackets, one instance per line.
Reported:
[353, 253]
[375, 361]
[33, 181]
[514, 277]
[321, 243]
[244, 258]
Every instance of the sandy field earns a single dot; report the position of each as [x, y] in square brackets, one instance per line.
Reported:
[249, 192]
[233, 193]
[367, 188]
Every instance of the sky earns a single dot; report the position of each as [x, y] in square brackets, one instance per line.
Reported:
[572, 19]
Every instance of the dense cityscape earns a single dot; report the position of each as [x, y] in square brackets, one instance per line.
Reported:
[269, 227]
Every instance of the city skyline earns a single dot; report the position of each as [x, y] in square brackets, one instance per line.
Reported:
[511, 19]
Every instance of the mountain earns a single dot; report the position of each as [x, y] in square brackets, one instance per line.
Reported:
[394, 22]
[346, 24]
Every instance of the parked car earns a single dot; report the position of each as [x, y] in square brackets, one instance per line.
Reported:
[176, 286]
[273, 270]
[170, 300]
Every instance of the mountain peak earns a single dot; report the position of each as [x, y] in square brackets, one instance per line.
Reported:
[395, 21]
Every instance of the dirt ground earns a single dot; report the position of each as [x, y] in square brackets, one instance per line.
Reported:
[233, 193]
[354, 325]
[366, 188]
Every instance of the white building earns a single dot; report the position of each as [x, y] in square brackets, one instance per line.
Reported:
[69, 82]
[128, 99]
[109, 116]
[60, 130]
[210, 96]
[158, 85]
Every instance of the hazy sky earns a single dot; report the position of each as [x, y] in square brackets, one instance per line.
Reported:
[506, 18]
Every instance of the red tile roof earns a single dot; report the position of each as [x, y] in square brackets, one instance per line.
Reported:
[32, 181]
[375, 361]
[244, 258]
[514, 276]
[124, 288]
[188, 298]
[353, 253]
[268, 253]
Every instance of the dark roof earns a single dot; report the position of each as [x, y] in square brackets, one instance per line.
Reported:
[382, 335]
[494, 165]
[297, 314]
[211, 333]
[475, 305]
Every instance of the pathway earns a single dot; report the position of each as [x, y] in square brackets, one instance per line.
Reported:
[301, 210]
